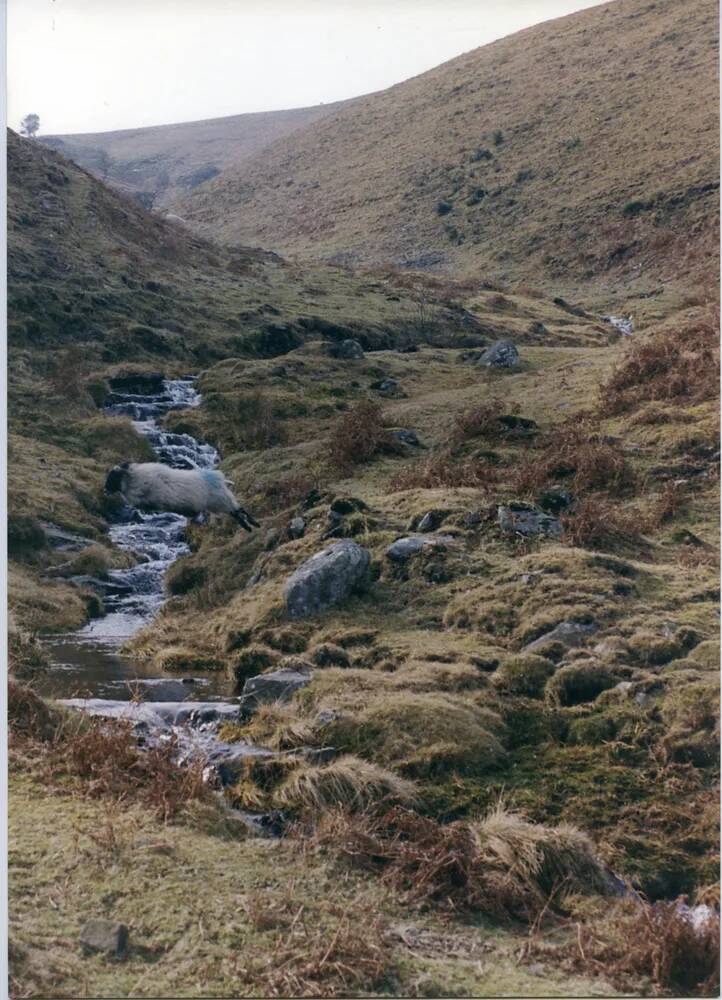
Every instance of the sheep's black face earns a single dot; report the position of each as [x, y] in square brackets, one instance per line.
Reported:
[114, 482]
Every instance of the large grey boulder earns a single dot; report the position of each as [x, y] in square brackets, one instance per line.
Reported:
[404, 548]
[501, 354]
[525, 519]
[276, 686]
[106, 936]
[326, 579]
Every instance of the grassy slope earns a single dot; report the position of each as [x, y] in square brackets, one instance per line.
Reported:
[162, 162]
[611, 106]
[97, 284]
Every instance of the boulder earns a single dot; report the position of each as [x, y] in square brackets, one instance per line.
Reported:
[501, 354]
[348, 350]
[404, 548]
[525, 519]
[276, 686]
[105, 935]
[326, 579]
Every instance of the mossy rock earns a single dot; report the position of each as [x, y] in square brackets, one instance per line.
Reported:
[579, 682]
[525, 674]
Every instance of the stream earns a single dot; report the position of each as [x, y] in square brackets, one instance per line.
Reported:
[89, 670]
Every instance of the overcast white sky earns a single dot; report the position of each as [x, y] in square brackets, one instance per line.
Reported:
[95, 65]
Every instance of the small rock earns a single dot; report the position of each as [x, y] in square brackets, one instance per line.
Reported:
[297, 527]
[406, 436]
[431, 520]
[524, 519]
[106, 936]
[326, 579]
[502, 354]
[571, 635]
[276, 686]
[404, 548]
[348, 350]
[388, 387]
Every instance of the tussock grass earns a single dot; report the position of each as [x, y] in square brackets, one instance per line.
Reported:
[348, 782]
[501, 866]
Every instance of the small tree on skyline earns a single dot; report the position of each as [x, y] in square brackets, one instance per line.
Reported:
[30, 125]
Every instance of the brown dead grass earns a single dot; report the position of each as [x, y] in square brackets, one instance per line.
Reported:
[358, 436]
[480, 421]
[636, 939]
[679, 364]
[102, 756]
[444, 469]
[501, 866]
[575, 454]
[322, 951]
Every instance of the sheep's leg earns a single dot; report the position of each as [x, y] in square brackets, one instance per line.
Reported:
[245, 519]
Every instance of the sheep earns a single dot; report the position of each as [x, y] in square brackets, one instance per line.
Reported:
[193, 492]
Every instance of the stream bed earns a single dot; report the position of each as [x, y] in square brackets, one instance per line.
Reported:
[90, 671]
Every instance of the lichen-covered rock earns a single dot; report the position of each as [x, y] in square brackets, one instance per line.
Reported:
[326, 579]
[525, 519]
[297, 527]
[501, 354]
[276, 686]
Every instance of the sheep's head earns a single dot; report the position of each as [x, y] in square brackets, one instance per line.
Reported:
[116, 479]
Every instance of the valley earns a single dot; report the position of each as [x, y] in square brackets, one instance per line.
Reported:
[460, 689]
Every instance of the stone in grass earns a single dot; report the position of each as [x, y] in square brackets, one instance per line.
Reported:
[326, 579]
[404, 548]
[502, 354]
[106, 936]
[525, 519]
[568, 635]
[276, 686]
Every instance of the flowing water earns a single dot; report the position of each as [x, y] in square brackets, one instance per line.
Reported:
[89, 669]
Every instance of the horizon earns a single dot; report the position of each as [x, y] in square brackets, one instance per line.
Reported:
[214, 61]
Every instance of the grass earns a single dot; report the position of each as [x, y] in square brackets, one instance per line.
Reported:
[361, 174]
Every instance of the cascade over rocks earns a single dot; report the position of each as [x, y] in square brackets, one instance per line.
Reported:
[326, 579]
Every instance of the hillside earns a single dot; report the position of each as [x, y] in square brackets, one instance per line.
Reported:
[581, 153]
[160, 163]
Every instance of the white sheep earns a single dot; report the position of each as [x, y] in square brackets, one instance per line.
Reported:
[153, 486]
